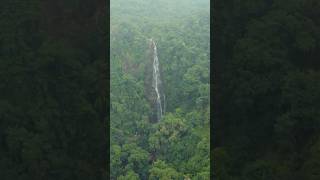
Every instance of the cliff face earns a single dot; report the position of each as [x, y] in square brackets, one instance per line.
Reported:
[150, 91]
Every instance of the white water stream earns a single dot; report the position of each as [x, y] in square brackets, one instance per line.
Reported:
[156, 80]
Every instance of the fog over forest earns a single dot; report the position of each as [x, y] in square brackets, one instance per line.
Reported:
[168, 73]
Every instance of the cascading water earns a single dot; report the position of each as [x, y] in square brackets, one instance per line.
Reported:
[156, 81]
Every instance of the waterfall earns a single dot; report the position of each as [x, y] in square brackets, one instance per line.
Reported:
[164, 104]
[156, 80]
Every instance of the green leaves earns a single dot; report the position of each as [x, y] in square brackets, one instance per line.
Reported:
[169, 130]
[165, 149]
[268, 92]
[160, 170]
[131, 175]
[130, 160]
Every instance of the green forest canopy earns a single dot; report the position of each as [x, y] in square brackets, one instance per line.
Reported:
[177, 147]
[267, 90]
[53, 91]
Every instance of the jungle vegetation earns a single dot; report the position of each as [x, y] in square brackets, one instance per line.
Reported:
[266, 89]
[177, 146]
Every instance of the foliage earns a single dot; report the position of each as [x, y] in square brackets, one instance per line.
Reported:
[177, 147]
[267, 89]
[52, 109]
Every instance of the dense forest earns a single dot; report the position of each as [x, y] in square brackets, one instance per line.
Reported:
[176, 146]
[53, 90]
[266, 89]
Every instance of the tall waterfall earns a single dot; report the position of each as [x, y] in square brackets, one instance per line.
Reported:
[156, 80]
